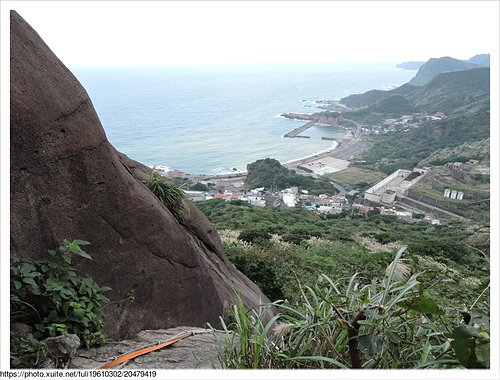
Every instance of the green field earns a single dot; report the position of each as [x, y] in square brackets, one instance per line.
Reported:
[355, 176]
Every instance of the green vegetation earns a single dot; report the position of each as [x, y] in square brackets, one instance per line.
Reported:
[48, 296]
[391, 321]
[475, 187]
[356, 176]
[269, 173]
[435, 66]
[404, 150]
[392, 105]
[261, 271]
[474, 150]
[199, 187]
[341, 299]
[373, 96]
[454, 93]
[304, 245]
[169, 194]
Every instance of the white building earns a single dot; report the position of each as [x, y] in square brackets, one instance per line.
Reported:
[290, 200]
[195, 196]
[257, 190]
[324, 209]
[259, 203]
[396, 184]
[446, 193]
[407, 215]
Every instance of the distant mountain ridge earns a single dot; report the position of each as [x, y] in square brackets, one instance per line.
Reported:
[435, 66]
[481, 59]
[457, 91]
[426, 73]
[465, 91]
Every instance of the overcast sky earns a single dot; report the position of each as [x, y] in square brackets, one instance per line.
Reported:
[172, 33]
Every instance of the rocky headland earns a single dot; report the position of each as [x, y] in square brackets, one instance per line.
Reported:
[325, 117]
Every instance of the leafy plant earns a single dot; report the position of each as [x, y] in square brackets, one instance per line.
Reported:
[393, 322]
[49, 296]
[249, 347]
[169, 194]
[26, 351]
[255, 236]
[262, 273]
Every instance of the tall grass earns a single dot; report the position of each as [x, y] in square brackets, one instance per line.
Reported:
[169, 194]
[388, 323]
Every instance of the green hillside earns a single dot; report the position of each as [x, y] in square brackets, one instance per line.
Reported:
[373, 96]
[475, 188]
[269, 173]
[404, 150]
[459, 91]
[475, 150]
[395, 104]
[435, 66]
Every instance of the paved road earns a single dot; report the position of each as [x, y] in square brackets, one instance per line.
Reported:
[340, 188]
[350, 151]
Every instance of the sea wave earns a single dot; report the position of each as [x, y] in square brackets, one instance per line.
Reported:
[330, 149]
[214, 120]
[226, 171]
[161, 168]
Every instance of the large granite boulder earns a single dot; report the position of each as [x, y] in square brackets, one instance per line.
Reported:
[68, 182]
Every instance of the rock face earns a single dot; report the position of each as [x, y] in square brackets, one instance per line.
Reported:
[199, 351]
[61, 349]
[68, 182]
[325, 117]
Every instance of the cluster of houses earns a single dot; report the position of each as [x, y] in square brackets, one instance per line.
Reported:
[289, 197]
[405, 122]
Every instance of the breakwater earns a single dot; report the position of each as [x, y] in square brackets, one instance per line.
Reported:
[295, 132]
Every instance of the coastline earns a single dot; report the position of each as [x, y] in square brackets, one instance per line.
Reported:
[296, 161]
[341, 150]
[336, 149]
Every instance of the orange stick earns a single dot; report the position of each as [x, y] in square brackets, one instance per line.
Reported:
[131, 355]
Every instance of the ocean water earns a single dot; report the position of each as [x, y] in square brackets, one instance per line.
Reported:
[211, 119]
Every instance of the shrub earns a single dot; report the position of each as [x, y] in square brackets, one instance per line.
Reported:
[169, 194]
[393, 322]
[198, 186]
[257, 236]
[262, 273]
[49, 296]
